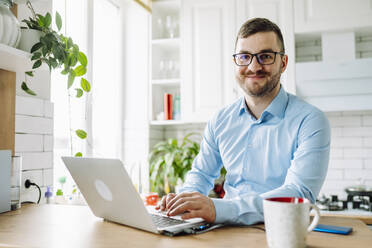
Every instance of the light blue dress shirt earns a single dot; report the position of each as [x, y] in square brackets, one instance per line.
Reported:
[283, 153]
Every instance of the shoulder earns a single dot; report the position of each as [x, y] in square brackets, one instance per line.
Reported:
[308, 118]
[300, 108]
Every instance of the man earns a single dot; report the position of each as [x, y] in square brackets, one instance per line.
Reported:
[271, 143]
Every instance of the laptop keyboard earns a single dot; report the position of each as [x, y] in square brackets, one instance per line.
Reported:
[163, 221]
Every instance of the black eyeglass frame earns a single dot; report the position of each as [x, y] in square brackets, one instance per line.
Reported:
[255, 55]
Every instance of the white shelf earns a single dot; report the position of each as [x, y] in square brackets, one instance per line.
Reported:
[166, 82]
[167, 42]
[13, 59]
[168, 122]
[174, 123]
[166, 6]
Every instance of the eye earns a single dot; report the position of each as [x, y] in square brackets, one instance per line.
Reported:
[244, 57]
[266, 56]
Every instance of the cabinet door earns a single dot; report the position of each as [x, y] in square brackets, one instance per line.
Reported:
[281, 13]
[328, 15]
[207, 47]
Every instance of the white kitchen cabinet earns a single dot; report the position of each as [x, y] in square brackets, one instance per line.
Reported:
[341, 80]
[281, 13]
[165, 57]
[336, 85]
[331, 15]
[207, 45]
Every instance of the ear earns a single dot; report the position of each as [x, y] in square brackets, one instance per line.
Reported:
[284, 62]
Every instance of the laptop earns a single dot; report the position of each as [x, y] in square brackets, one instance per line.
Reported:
[110, 194]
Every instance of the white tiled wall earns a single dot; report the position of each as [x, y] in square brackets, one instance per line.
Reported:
[34, 143]
[351, 151]
[351, 148]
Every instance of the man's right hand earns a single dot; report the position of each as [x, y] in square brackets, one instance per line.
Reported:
[163, 205]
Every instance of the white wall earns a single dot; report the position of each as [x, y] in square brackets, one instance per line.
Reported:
[34, 124]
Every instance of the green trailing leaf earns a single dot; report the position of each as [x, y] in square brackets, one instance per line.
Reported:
[27, 90]
[37, 64]
[30, 73]
[58, 21]
[36, 47]
[75, 50]
[36, 56]
[79, 92]
[82, 59]
[80, 70]
[69, 43]
[85, 85]
[53, 63]
[44, 50]
[71, 78]
[78, 154]
[81, 133]
[48, 20]
[40, 20]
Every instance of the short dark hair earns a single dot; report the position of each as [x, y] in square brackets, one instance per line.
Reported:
[256, 25]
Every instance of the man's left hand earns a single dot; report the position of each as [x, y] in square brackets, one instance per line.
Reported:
[192, 205]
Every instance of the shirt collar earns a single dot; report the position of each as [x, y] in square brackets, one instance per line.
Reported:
[277, 106]
[242, 106]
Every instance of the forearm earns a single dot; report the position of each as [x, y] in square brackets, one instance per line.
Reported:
[248, 209]
[245, 210]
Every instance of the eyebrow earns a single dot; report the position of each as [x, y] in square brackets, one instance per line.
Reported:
[261, 51]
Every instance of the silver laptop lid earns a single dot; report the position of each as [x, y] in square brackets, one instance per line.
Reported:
[109, 191]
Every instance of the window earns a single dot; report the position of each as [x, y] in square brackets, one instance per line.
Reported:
[96, 27]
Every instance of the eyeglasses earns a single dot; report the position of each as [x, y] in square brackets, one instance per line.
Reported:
[264, 58]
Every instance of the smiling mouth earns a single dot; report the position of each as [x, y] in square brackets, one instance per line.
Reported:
[255, 76]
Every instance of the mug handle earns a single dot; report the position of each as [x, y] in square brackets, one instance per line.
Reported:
[316, 218]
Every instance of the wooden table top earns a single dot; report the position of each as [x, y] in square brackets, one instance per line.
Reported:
[76, 226]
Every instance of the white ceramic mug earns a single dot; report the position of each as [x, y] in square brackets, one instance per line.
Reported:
[287, 221]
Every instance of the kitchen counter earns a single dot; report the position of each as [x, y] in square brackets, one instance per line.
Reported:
[362, 215]
[76, 226]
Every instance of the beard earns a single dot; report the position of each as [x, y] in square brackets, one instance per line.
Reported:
[259, 91]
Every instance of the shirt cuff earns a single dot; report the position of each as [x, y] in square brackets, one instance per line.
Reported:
[225, 210]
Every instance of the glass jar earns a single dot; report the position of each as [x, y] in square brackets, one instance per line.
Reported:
[10, 28]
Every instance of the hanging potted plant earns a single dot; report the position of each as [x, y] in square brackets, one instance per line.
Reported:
[58, 52]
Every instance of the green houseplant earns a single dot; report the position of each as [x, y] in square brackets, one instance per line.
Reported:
[57, 51]
[170, 161]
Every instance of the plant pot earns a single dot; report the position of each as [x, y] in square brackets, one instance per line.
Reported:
[29, 37]
[9, 25]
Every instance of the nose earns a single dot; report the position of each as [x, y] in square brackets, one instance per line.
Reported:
[254, 65]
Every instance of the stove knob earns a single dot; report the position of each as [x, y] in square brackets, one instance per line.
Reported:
[344, 204]
[356, 203]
